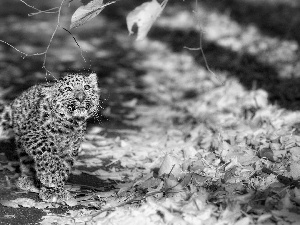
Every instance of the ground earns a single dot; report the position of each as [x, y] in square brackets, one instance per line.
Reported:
[182, 137]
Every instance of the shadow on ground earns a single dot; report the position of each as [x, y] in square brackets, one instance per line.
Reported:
[31, 215]
[245, 67]
[274, 18]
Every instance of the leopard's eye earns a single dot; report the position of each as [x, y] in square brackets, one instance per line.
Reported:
[68, 89]
[88, 105]
[71, 107]
[86, 87]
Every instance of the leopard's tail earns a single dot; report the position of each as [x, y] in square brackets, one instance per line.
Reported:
[5, 121]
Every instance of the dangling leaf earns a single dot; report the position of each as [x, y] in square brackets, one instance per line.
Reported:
[87, 12]
[143, 17]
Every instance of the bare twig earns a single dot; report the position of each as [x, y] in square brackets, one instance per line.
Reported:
[164, 190]
[81, 51]
[38, 10]
[52, 36]
[171, 170]
[24, 54]
[52, 10]
[196, 13]
[125, 203]
[45, 11]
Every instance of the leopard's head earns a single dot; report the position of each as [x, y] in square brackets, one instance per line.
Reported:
[76, 96]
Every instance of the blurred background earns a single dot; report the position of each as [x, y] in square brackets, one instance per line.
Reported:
[253, 41]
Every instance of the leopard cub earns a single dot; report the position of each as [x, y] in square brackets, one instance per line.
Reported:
[49, 122]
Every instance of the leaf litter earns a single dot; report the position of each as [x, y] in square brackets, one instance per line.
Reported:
[216, 159]
[226, 155]
[185, 166]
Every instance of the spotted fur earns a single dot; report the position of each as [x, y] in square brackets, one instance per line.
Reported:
[49, 122]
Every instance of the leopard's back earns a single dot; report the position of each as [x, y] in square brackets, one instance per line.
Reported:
[25, 110]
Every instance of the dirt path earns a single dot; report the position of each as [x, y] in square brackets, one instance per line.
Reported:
[122, 148]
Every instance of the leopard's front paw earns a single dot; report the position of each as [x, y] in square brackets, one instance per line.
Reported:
[54, 194]
[26, 183]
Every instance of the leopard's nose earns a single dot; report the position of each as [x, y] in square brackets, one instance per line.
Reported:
[80, 96]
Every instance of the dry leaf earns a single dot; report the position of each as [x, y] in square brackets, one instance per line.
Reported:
[286, 215]
[297, 195]
[172, 183]
[9, 203]
[286, 201]
[243, 221]
[295, 152]
[87, 12]
[25, 202]
[267, 153]
[170, 165]
[71, 202]
[144, 16]
[264, 217]
[295, 170]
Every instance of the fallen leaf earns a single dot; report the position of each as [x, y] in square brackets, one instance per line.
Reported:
[9, 203]
[243, 221]
[295, 170]
[267, 153]
[286, 215]
[170, 165]
[264, 217]
[71, 202]
[25, 202]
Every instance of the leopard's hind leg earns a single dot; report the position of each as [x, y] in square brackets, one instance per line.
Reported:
[27, 180]
[5, 121]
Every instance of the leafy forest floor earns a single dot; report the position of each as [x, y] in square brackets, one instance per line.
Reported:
[174, 142]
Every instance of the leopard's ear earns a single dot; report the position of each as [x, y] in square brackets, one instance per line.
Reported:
[47, 89]
[93, 76]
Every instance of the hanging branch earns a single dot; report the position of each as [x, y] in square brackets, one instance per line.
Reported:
[200, 48]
